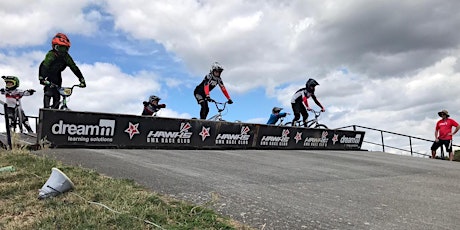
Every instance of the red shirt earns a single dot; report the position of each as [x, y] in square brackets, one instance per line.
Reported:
[444, 127]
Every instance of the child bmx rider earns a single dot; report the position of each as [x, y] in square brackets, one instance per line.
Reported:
[12, 93]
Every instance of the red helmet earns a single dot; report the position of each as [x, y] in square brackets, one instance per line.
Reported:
[61, 40]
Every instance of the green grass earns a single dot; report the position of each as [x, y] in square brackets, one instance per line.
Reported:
[134, 207]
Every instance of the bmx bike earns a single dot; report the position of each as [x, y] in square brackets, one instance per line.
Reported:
[65, 92]
[17, 118]
[313, 123]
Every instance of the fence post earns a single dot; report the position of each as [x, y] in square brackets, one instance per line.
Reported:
[383, 144]
[7, 125]
[410, 144]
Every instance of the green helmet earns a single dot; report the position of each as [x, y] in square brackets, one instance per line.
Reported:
[13, 79]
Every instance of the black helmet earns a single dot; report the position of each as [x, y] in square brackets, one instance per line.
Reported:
[13, 79]
[153, 98]
[276, 109]
[311, 82]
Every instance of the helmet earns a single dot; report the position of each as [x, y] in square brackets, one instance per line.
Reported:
[60, 40]
[12, 79]
[276, 109]
[153, 98]
[216, 66]
[311, 82]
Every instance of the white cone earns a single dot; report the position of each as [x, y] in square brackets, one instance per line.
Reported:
[56, 184]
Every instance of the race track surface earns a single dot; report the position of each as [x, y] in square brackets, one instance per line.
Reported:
[295, 189]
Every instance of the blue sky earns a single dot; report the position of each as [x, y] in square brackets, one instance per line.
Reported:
[388, 64]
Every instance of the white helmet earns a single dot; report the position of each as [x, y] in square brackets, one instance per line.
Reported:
[216, 66]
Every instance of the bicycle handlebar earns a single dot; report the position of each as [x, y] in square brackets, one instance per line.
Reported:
[219, 103]
[317, 113]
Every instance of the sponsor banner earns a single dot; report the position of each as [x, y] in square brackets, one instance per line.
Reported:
[279, 137]
[86, 129]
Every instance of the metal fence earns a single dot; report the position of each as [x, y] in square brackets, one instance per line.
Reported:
[409, 148]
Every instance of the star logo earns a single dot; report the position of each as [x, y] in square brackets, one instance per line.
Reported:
[298, 137]
[132, 129]
[335, 138]
[204, 133]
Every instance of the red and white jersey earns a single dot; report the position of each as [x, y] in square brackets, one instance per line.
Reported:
[12, 95]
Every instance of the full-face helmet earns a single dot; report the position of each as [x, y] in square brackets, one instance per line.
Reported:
[276, 109]
[216, 66]
[60, 42]
[154, 98]
[12, 82]
[311, 83]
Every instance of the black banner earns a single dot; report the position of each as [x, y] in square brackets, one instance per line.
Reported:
[87, 129]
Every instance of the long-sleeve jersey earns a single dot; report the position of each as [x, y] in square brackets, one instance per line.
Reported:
[53, 65]
[209, 82]
[301, 96]
[150, 109]
[12, 95]
[275, 117]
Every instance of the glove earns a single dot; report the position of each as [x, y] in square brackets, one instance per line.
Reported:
[2, 90]
[82, 83]
[145, 103]
[230, 101]
[46, 83]
[31, 91]
[162, 106]
[208, 98]
[323, 110]
[309, 109]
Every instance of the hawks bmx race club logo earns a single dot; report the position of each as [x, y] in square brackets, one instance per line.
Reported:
[241, 138]
[317, 141]
[182, 136]
[276, 140]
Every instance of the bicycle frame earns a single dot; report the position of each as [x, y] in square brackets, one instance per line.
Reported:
[65, 92]
[218, 116]
[18, 116]
[313, 123]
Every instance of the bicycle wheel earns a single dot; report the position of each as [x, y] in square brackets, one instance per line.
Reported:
[321, 126]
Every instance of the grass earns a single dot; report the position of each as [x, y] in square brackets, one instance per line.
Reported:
[133, 207]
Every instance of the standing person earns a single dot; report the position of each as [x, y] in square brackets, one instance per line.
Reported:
[211, 80]
[443, 134]
[276, 115]
[152, 106]
[56, 60]
[12, 93]
[299, 101]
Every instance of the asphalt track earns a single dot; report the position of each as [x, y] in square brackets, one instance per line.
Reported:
[280, 189]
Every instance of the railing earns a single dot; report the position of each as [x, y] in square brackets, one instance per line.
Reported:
[411, 138]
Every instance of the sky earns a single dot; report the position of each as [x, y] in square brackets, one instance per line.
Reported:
[389, 65]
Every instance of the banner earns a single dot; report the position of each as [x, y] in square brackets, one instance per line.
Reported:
[89, 129]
